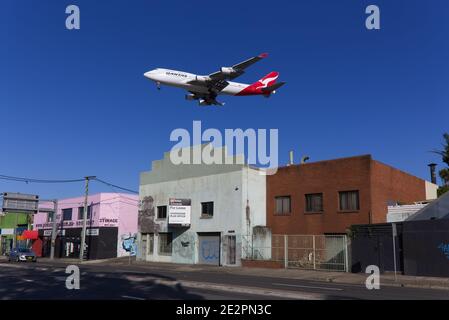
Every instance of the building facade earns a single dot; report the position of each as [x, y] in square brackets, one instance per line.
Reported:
[111, 220]
[327, 197]
[199, 213]
[13, 224]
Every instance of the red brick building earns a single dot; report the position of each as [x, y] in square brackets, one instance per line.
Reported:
[327, 197]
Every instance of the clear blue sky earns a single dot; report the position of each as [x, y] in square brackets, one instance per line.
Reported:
[75, 103]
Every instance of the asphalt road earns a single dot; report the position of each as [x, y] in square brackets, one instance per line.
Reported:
[47, 281]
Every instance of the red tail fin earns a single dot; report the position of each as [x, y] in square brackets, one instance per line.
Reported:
[267, 81]
[256, 87]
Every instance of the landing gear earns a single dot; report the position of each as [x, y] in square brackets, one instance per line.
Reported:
[158, 85]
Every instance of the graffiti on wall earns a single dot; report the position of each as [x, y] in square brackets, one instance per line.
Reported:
[146, 219]
[444, 247]
[129, 243]
[184, 245]
[210, 250]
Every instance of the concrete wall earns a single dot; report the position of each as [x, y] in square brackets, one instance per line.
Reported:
[228, 186]
[431, 191]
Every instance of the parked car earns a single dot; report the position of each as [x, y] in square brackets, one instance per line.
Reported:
[22, 254]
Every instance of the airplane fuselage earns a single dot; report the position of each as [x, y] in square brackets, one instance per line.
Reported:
[181, 79]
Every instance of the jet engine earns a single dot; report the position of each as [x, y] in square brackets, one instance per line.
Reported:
[228, 70]
[202, 79]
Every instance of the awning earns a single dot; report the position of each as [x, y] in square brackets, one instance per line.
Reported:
[30, 234]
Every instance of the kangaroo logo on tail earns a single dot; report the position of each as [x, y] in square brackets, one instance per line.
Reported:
[269, 79]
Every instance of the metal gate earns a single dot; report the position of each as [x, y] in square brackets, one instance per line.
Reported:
[315, 252]
[209, 248]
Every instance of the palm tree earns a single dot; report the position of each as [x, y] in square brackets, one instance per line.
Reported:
[444, 173]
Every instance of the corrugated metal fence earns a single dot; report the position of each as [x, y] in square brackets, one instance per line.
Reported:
[314, 252]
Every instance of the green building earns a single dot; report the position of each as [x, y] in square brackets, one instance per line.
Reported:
[12, 224]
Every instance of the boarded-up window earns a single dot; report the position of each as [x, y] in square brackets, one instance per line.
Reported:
[165, 244]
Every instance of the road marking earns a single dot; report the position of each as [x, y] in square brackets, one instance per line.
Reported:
[133, 298]
[42, 269]
[28, 280]
[306, 287]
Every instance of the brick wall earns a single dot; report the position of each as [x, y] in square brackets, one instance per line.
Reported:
[327, 177]
[391, 184]
[377, 183]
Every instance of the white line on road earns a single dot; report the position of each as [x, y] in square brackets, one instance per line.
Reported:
[133, 298]
[306, 287]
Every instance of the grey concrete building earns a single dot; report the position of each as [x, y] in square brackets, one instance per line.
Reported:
[201, 213]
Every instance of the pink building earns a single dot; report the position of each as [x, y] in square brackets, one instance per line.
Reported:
[111, 219]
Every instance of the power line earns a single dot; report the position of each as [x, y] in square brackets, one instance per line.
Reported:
[115, 186]
[32, 180]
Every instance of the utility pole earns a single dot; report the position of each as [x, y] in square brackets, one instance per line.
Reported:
[54, 230]
[83, 232]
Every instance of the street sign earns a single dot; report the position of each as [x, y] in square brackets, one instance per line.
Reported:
[19, 202]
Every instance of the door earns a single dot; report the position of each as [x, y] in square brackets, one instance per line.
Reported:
[143, 249]
[230, 254]
[209, 248]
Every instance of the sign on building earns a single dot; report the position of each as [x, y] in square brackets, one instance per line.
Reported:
[93, 232]
[179, 212]
[19, 202]
[47, 233]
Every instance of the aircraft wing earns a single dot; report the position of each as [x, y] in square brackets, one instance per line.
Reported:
[229, 73]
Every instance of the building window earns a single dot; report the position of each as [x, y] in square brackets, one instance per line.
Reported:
[50, 216]
[162, 212]
[165, 244]
[81, 213]
[314, 202]
[283, 205]
[207, 209]
[349, 200]
[67, 214]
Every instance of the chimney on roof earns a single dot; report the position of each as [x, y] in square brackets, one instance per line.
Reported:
[433, 176]
[291, 161]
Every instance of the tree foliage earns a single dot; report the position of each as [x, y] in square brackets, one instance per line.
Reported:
[444, 173]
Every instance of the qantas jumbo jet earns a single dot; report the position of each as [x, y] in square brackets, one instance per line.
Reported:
[206, 88]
